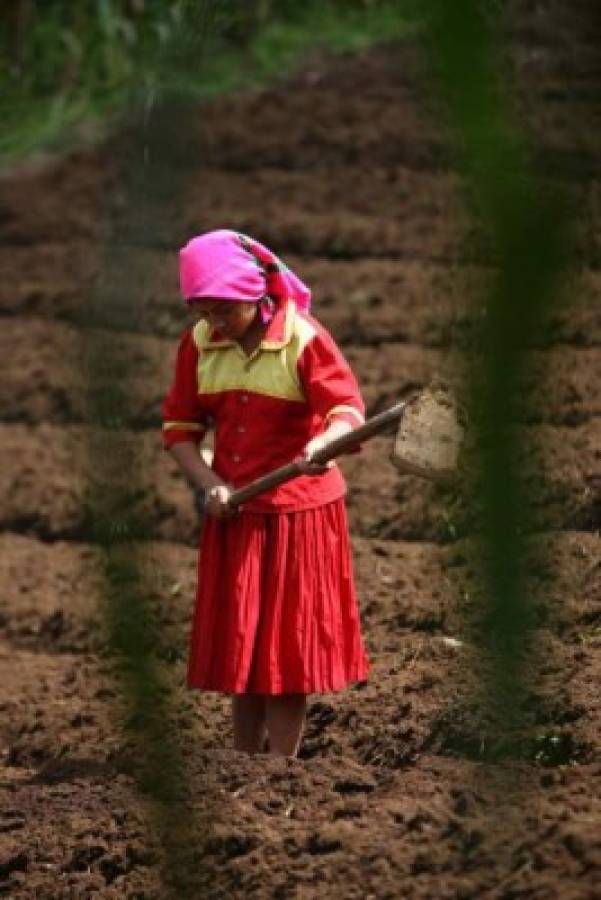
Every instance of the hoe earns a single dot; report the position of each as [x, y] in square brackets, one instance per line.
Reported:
[427, 443]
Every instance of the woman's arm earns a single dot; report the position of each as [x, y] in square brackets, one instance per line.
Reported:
[328, 382]
[331, 390]
[194, 467]
[184, 425]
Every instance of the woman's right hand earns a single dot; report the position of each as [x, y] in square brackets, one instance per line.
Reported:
[217, 501]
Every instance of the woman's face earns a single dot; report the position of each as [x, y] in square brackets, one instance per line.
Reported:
[231, 318]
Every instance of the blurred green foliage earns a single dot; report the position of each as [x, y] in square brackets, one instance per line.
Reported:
[64, 63]
[528, 224]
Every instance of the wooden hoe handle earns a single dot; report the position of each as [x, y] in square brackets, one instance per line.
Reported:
[373, 426]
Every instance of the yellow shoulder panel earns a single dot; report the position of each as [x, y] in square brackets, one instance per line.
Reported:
[200, 334]
[302, 334]
[272, 373]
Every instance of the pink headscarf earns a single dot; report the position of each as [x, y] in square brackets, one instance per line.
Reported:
[226, 265]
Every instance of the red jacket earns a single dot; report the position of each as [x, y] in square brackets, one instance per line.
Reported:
[264, 407]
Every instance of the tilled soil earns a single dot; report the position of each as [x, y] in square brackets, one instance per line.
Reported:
[346, 171]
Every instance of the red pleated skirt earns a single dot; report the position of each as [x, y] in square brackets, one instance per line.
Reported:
[276, 609]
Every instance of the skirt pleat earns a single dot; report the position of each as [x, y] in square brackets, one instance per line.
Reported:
[276, 608]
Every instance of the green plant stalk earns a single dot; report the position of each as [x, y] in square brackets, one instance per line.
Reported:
[527, 227]
[134, 642]
[150, 177]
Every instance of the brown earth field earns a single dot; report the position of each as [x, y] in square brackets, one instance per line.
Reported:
[345, 169]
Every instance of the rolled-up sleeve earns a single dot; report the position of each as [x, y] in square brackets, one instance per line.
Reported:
[329, 384]
[183, 418]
